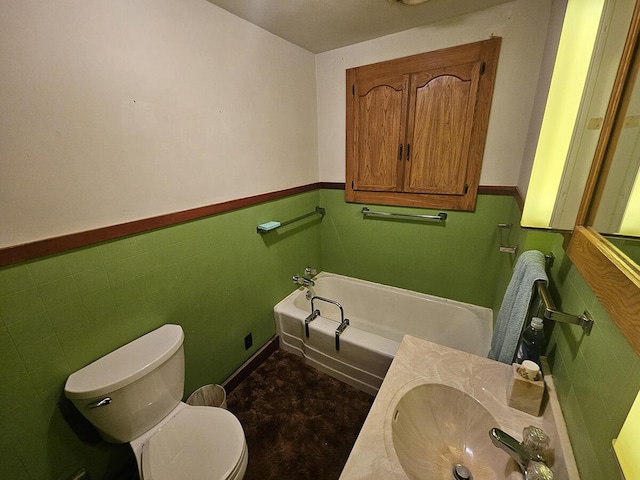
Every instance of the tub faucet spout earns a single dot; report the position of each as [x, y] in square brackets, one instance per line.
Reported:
[304, 281]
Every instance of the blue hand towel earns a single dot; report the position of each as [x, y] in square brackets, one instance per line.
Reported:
[530, 267]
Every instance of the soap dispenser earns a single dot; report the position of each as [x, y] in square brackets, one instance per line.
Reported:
[526, 388]
[532, 342]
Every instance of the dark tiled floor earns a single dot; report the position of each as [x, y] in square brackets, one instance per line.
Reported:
[299, 423]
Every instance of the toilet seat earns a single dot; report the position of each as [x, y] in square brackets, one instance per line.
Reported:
[199, 442]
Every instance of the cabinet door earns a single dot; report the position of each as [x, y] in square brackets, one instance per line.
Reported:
[416, 127]
[380, 106]
[441, 114]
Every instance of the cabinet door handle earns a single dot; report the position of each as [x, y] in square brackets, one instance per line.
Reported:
[408, 150]
[400, 152]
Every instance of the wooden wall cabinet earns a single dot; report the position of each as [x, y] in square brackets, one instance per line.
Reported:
[416, 127]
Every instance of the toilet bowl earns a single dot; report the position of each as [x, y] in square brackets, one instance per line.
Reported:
[133, 395]
[195, 442]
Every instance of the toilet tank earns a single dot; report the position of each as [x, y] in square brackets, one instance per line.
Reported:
[128, 391]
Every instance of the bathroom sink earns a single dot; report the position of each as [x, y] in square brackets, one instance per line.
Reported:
[436, 428]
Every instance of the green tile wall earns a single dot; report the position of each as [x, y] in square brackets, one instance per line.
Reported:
[216, 277]
[458, 260]
[597, 377]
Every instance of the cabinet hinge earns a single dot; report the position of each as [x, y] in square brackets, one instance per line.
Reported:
[482, 67]
[466, 188]
[353, 89]
[351, 184]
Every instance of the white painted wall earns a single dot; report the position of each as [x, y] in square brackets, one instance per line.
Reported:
[112, 111]
[522, 24]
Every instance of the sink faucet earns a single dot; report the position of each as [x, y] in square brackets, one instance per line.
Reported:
[511, 446]
[519, 453]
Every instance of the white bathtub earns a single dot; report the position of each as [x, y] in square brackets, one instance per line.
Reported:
[379, 316]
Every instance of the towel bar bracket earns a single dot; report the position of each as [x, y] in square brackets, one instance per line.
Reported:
[585, 320]
[550, 313]
[504, 247]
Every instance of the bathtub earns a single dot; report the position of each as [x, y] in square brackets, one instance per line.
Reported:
[379, 316]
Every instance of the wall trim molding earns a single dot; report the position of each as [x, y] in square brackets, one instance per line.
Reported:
[63, 243]
[503, 190]
[332, 185]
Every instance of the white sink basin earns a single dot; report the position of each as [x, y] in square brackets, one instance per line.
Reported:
[435, 427]
[435, 409]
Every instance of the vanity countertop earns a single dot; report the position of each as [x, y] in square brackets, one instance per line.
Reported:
[419, 361]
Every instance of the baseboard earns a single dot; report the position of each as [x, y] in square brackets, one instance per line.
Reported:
[251, 364]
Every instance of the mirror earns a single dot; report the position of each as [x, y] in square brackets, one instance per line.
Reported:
[602, 236]
[618, 214]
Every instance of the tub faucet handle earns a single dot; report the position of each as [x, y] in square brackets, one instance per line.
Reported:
[304, 281]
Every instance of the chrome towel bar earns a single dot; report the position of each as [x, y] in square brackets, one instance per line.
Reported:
[440, 217]
[270, 226]
[550, 312]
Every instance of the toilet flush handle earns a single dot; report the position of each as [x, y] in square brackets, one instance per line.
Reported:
[100, 403]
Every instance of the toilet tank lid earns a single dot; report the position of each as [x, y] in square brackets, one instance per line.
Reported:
[126, 364]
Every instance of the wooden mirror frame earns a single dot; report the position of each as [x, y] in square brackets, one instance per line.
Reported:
[613, 277]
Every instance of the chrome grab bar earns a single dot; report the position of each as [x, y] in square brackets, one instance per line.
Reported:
[315, 313]
[440, 217]
[550, 312]
[339, 331]
[310, 318]
[328, 300]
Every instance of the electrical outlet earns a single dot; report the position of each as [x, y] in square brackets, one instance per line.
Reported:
[248, 341]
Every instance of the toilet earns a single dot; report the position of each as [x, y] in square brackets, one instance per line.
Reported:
[134, 395]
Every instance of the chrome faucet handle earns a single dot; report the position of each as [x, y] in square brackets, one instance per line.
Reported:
[309, 272]
[536, 442]
[537, 471]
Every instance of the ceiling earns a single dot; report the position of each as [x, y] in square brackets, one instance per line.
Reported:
[321, 25]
